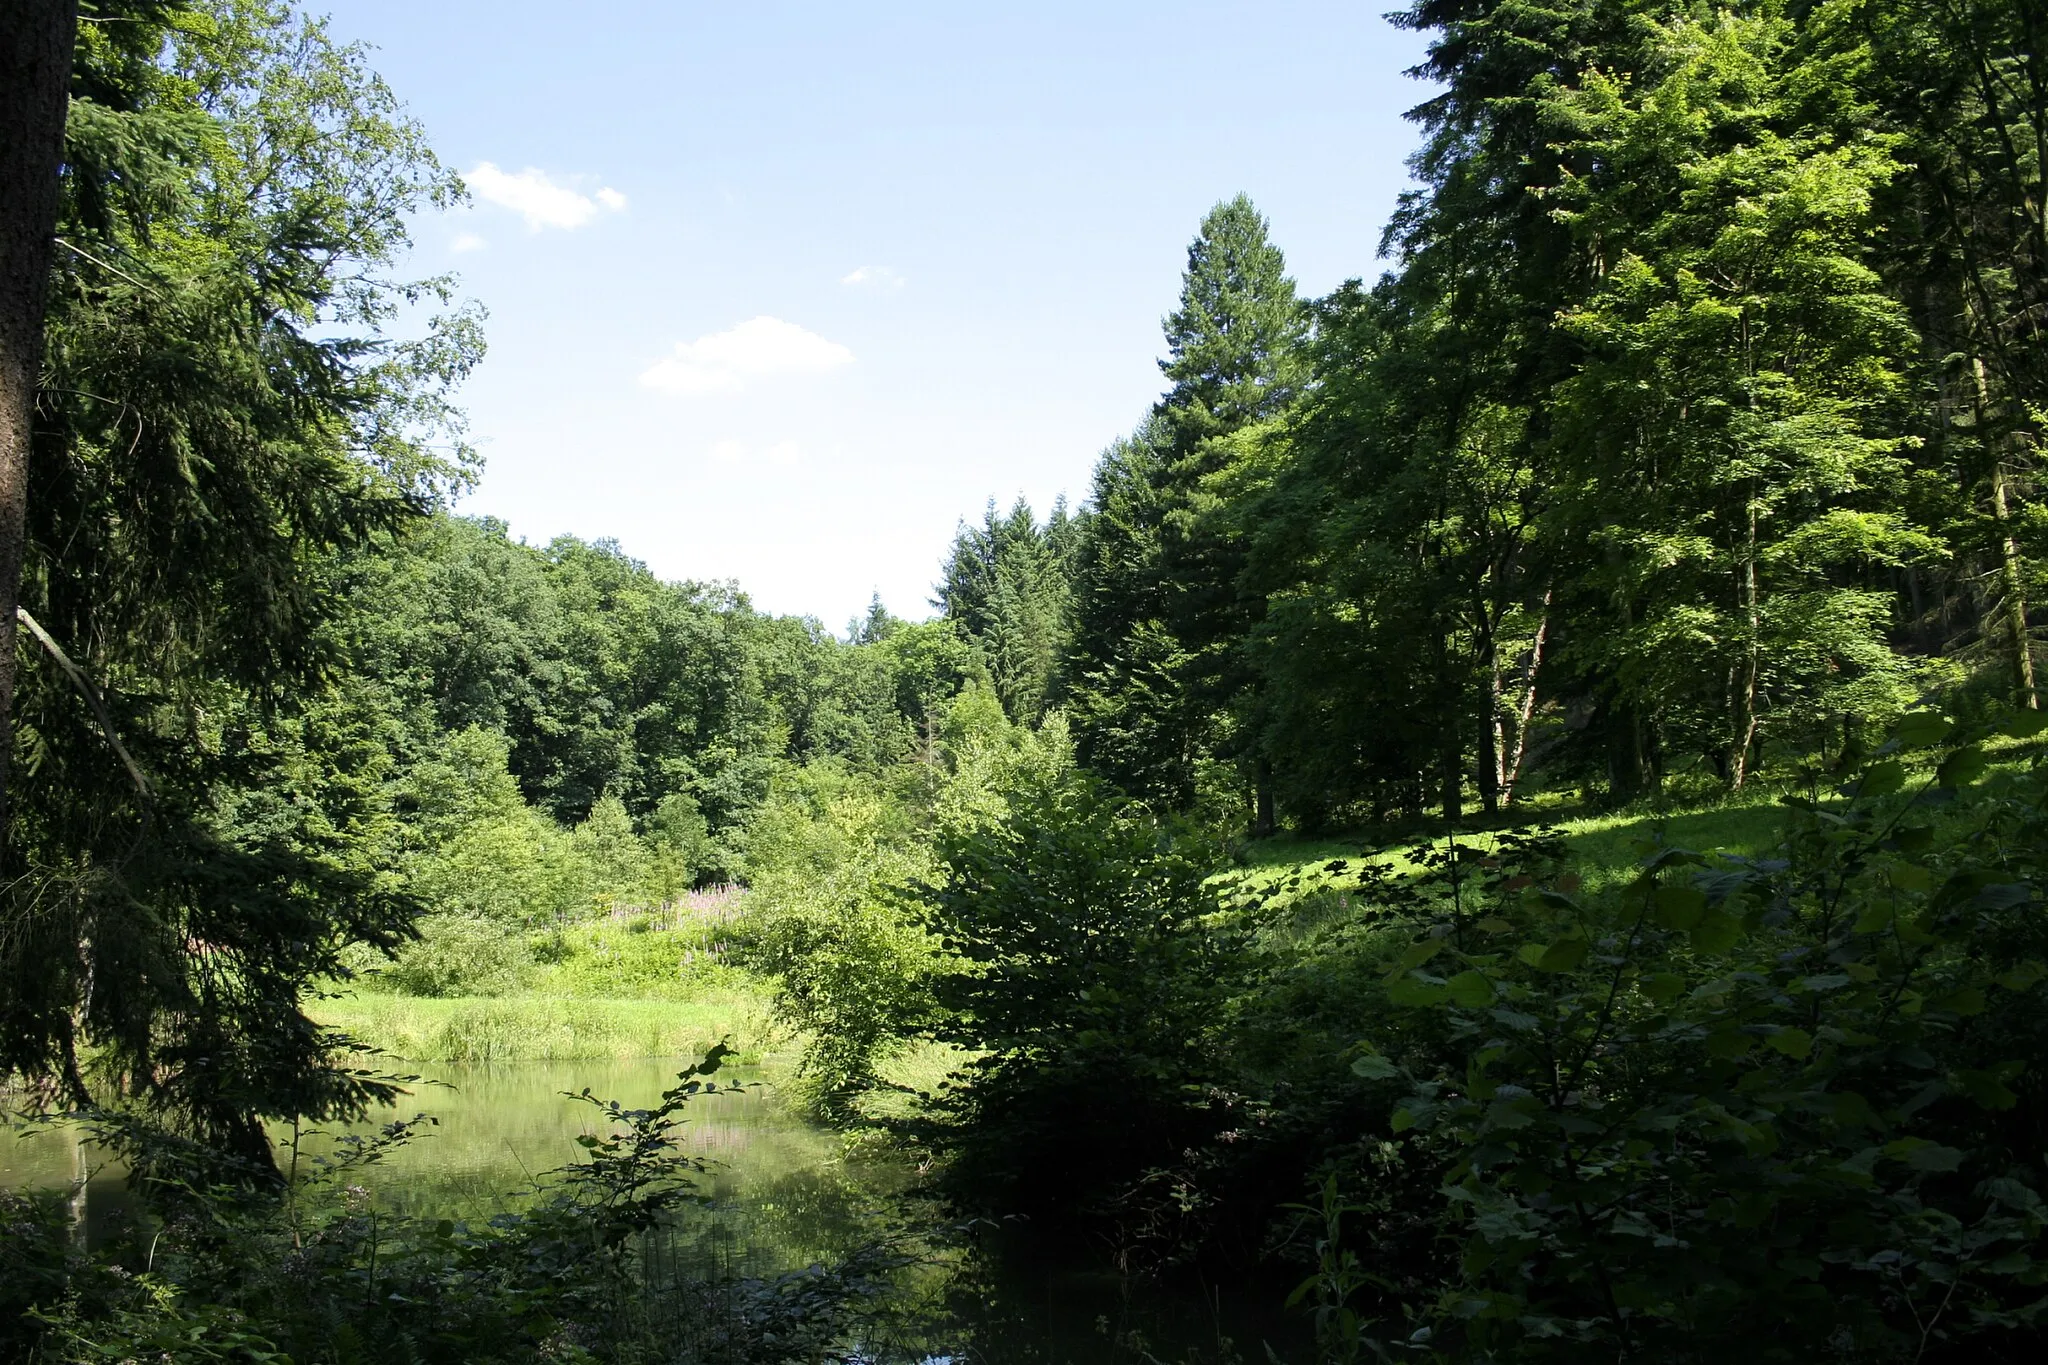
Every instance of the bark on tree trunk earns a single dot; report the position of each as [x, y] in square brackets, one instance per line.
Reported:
[36, 41]
[1489, 733]
[1746, 672]
[1263, 822]
[2014, 590]
[2011, 586]
[1451, 758]
[1525, 709]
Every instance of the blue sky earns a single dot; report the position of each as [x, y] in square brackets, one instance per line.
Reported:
[781, 291]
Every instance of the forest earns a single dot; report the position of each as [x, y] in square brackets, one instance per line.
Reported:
[1506, 822]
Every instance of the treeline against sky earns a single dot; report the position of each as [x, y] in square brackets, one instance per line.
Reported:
[1693, 425]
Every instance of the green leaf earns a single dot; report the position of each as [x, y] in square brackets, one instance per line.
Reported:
[2024, 724]
[1919, 729]
[1678, 907]
[1922, 1155]
[1417, 954]
[1795, 1043]
[1962, 767]
[1717, 934]
[1564, 955]
[1413, 991]
[1910, 877]
[1404, 1119]
[1374, 1067]
[1664, 987]
[1473, 990]
[1881, 779]
[1729, 1043]
[2003, 896]
[1988, 1088]
[1966, 1001]
[2028, 974]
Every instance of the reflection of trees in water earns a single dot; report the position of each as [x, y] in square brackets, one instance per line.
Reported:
[1007, 1310]
[789, 1217]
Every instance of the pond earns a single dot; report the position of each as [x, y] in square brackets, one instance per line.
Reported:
[785, 1193]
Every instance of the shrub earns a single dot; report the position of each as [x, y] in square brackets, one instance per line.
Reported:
[1092, 981]
[461, 955]
[1779, 1109]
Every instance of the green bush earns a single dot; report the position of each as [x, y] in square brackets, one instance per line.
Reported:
[827, 859]
[460, 955]
[1745, 1109]
[1093, 973]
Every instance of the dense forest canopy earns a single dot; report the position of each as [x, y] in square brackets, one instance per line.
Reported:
[1686, 445]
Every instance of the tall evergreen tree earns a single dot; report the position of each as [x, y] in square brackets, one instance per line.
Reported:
[1234, 356]
[36, 42]
[220, 420]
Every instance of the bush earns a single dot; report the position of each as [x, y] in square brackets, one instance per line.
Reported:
[1094, 972]
[823, 919]
[461, 955]
[1781, 1109]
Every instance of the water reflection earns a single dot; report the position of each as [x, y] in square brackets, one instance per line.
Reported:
[785, 1194]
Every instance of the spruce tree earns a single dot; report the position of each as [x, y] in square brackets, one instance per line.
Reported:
[1235, 356]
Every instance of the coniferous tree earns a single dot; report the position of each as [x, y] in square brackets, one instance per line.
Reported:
[1006, 585]
[36, 42]
[1161, 612]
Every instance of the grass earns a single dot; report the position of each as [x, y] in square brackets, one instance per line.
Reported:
[524, 1028]
[1606, 846]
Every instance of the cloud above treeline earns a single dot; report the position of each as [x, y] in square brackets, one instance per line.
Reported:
[539, 200]
[759, 348]
[874, 277]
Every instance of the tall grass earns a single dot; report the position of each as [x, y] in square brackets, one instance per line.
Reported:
[552, 1028]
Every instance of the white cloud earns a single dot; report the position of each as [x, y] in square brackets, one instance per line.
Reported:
[880, 276]
[756, 349]
[468, 241]
[539, 200]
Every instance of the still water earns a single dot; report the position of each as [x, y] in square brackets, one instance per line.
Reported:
[783, 1194]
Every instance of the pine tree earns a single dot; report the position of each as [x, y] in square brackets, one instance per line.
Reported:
[1163, 611]
[1006, 586]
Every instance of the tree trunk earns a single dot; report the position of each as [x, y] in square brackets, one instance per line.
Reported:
[2014, 591]
[2012, 586]
[1744, 727]
[1490, 746]
[1263, 823]
[36, 42]
[1451, 757]
[1629, 771]
[1525, 709]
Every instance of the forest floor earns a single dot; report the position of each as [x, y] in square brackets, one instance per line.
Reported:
[1606, 845]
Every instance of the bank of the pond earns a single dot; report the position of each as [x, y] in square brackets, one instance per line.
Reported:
[538, 1028]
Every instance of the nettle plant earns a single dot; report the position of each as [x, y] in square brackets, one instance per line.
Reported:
[1783, 1109]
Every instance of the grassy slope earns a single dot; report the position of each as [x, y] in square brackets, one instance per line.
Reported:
[1606, 845]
